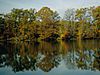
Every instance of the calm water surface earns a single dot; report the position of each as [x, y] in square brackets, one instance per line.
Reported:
[45, 58]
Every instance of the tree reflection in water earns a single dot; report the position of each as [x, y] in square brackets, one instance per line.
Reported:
[46, 56]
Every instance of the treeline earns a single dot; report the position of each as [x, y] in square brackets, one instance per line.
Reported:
[46, 24]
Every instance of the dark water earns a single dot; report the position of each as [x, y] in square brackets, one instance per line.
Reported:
[56, 58]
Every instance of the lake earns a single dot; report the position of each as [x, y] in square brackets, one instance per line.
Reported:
[50, 58]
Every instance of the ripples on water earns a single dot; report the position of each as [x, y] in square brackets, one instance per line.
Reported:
[57, 58]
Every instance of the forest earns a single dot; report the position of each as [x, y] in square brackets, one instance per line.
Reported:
[46, 24]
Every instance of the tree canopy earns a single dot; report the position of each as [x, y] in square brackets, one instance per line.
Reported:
[46, 24]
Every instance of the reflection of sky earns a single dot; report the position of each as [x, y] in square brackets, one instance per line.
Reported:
[59, 5]
[62, 69]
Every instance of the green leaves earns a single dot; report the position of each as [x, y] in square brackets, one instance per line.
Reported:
[29, 24]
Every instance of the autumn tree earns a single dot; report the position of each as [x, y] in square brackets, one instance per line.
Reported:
[1, 26]
[49, 23]
[69, 17]
[96, 17]
[46, 24]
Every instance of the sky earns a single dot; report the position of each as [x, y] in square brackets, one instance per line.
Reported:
[58, 5]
